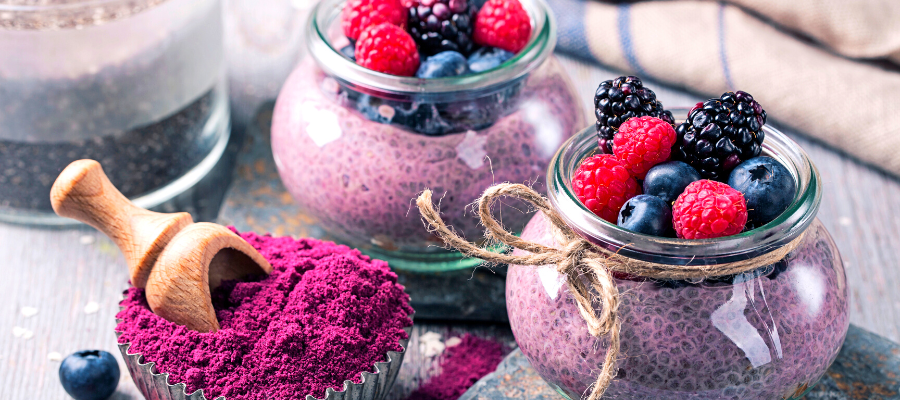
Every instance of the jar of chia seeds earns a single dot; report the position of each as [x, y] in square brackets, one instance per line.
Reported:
[137, 85]
[355, 147]
[765, 334]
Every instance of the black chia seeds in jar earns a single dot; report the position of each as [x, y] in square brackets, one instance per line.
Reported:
[137, 85]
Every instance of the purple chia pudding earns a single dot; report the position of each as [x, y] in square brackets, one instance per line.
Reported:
[761, 337]
[355, 154]
[765, 334]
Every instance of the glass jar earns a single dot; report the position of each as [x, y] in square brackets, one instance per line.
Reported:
[355, 147]
[263, 42]
[766, 334]
[136, 85]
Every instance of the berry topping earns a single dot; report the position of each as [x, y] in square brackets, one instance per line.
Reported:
[620, 99]
[487, 58]
[709, 209]
[89, 374]
[668, 180]
[387, 48]
[720, 133]
[504, 24]
[358, 15]
[349, 51]
[441, 25]
[647, 214]
[443, 64]
[603, 185]
[767, 185]
[643, 142]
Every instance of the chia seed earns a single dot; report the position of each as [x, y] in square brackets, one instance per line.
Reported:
[140, 105]
[137, 161]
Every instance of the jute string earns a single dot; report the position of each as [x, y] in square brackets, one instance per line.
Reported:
[588, 269]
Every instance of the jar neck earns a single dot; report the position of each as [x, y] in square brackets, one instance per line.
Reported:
[69, 15]
[324, 31]
[777, 233]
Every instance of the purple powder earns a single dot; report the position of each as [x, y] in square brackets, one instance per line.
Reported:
[462, 365]
[325, 314]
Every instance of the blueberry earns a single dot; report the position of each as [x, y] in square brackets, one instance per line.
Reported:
[443, 64]
[89, 374]
[488, 58]
[668, 180]
[767, 186]
[422, 118]
[349, 51]
[648, 215]
[375, 109]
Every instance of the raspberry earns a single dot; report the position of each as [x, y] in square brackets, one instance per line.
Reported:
[358, 15]
[603, 185]
[618, 100]
[643, 142]
[387, 48]
[504, 24]
[709, 209]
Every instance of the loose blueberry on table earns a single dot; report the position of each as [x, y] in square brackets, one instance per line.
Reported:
[89, 374]
[702, 179]
[434, 38]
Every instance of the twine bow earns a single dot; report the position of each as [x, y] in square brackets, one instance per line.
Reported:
[588, 269]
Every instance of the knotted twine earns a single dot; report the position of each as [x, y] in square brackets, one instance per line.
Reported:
[588, 269]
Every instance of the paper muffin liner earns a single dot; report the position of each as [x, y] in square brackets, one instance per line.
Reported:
[374, 385]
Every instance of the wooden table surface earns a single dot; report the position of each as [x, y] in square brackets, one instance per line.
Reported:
[73, 278]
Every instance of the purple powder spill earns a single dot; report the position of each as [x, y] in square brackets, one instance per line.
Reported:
[324, 315]
[461, 366]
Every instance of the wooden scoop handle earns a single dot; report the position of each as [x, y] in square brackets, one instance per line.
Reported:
[196, 261]
[83, 192]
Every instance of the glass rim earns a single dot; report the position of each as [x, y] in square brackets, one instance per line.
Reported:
[61, 6]
[330, 59]
[789, 225]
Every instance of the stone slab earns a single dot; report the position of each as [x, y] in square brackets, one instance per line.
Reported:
[868, 367]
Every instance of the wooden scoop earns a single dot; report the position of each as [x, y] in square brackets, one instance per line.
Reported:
[177, 261]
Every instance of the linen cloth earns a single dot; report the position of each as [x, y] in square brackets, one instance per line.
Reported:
[794, 57]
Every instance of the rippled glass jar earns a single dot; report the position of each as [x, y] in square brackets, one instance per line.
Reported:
[137, 85]
[766, 334]
[355, 147]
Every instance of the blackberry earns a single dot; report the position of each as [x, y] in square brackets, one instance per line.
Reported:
[721, 133]
[441, 25]
[619, 99]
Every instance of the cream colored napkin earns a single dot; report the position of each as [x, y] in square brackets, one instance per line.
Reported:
[792, 56]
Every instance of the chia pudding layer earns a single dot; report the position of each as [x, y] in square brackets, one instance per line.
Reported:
[766, 334]
[360, 177]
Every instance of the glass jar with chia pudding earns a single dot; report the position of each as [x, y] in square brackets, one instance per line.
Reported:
[355, 147]
[137, 85]
[766, 334]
